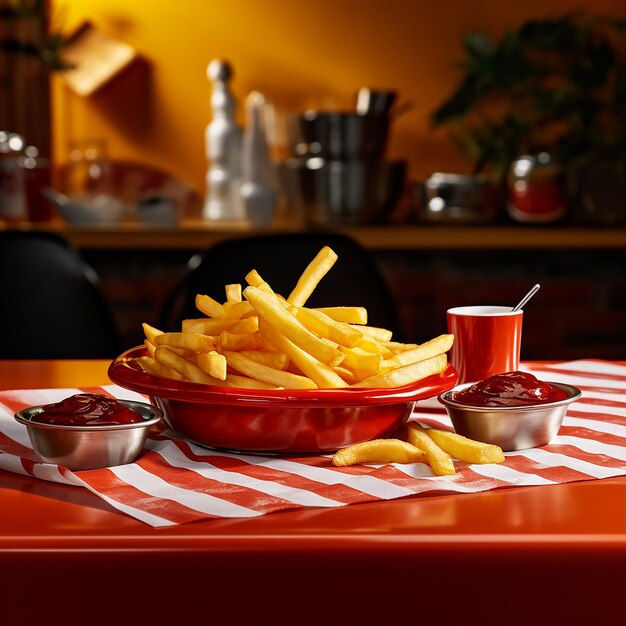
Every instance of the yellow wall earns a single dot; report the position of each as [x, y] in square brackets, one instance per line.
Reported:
[300, 54]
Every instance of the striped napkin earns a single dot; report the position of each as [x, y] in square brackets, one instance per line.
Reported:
[176, 482]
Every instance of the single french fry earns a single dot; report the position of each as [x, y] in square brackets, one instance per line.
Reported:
[237, 310]
[397, 346]
[406, 374]
[347, 314]
[348, 375]
[266, 374]
[152, 366]
[245, 382]
[150, 347]
[233, 293]
[247, 325]
[207, 305]
[277, 360]
[189, 370]
[270, 309]
[323, 375]
[376, 347]
[310, 278]
[264, 343]
[232, 341]
[207, 325]
[465, 449]
[435, 346]
[151, 332]
[378, 334]
[439, 460]
[326, 326]
[187, 341]
[359, 359]
[213, 364]
[379, 451]
[254, 279]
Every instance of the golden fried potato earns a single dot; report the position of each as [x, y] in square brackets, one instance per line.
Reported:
[257, 338]
[407, 374]
[439, 460]
[465, 449]
[378, 451]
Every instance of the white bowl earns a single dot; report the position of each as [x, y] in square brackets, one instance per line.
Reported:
[99, 210]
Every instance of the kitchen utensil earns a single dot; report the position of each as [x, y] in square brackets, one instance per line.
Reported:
[338, 135]
[99, 210]
[343, 192]
[374, 101]
[90, 447]
[456, 198]
[533, 290]
[511, 428]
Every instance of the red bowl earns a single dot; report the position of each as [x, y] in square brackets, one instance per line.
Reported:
[286, 420]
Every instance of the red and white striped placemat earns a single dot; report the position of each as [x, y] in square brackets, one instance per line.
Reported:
[177, 482]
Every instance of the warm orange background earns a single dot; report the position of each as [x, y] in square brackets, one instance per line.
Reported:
[299, 54]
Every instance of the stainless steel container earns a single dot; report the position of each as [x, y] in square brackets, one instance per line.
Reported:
[456, 198]
[339, 136]
[511, 428]
[90, 447]
[343, 192]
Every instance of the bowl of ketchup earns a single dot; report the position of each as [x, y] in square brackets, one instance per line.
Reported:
[513, 410]
[88, 430]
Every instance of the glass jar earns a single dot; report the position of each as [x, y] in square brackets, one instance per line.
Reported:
[88, 172]
[537, 191]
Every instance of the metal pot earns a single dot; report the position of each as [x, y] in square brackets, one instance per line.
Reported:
[339, 136]
[343, 192]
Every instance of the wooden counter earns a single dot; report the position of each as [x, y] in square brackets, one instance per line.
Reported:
[197, 234]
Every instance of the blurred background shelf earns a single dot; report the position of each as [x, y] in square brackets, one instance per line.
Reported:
[193, 235]
[580, 311]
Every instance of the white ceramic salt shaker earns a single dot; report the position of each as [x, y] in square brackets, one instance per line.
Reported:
[258, 193]
[223, 148]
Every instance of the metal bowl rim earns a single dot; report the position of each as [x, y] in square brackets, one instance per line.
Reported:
[573, 392]
[142, 408]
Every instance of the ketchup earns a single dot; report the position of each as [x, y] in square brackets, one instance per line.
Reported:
[510, 389]
[87, 409]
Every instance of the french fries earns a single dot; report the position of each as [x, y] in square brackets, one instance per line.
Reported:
[257, 338]
[424, 445]
[439, 460]
[378, 451]
[405, 374]
[466, 449]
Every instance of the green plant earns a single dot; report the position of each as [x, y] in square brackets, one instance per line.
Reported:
[554, 84]
[49, 49]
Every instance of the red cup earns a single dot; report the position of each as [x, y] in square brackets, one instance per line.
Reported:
[487, 341]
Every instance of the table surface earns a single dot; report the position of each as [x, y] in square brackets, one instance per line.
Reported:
[567, 541]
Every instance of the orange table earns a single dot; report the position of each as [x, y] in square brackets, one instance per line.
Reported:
[531, 555]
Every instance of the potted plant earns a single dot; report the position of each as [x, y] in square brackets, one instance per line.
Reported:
[555, 86]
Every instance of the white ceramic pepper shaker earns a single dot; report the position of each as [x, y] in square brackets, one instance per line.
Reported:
[223, 149]
[258, 195]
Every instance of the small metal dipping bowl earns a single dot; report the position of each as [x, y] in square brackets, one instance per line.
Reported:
[511, 428]
[90, 447]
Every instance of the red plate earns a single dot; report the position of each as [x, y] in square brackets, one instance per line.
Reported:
[289, 420]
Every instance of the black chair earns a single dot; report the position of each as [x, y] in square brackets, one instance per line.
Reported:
[354, 280]
[52, 306]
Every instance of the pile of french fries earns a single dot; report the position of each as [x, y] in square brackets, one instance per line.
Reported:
[258, 339]
[424, 445]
